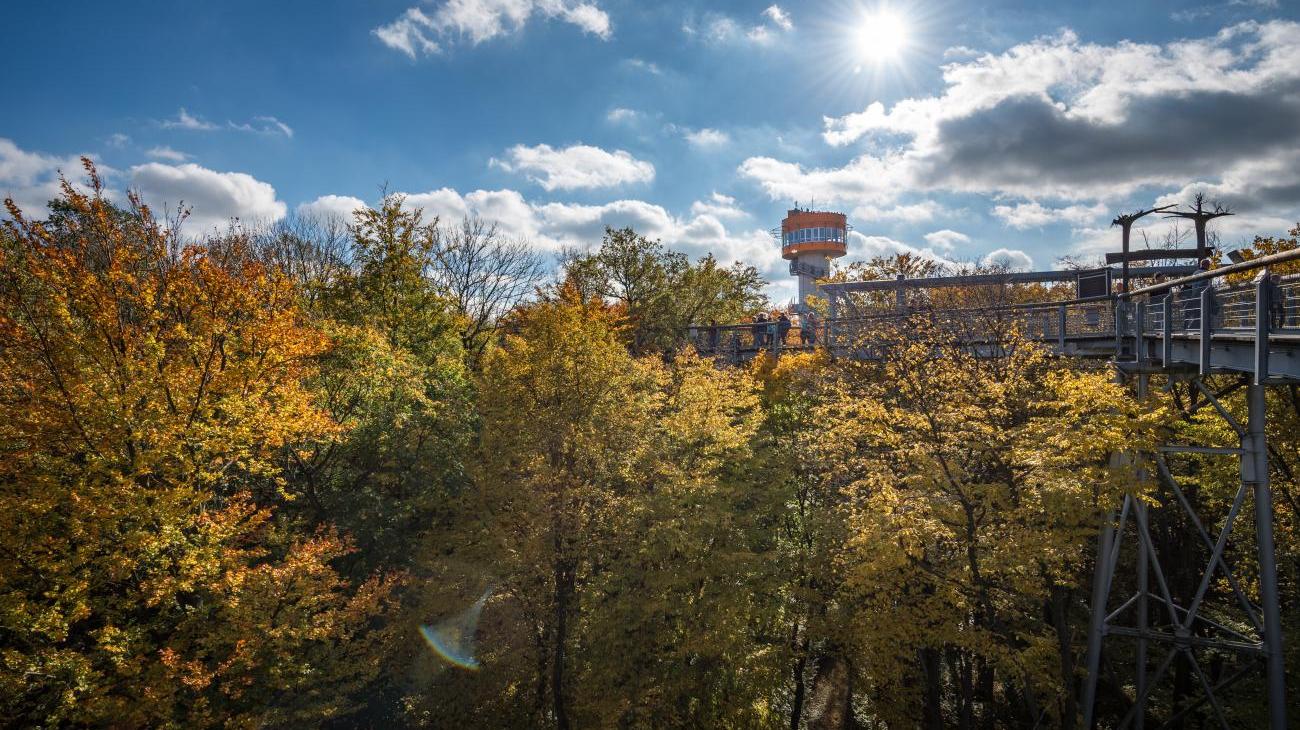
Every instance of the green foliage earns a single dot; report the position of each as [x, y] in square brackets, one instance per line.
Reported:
[661, 292]
[237, 477]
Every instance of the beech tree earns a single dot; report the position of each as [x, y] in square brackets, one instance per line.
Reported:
[148, 388]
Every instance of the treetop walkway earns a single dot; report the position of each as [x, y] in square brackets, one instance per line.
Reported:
[1155, 327]
[1218, 323]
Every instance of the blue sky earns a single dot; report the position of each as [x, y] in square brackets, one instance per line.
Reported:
[1012, 129]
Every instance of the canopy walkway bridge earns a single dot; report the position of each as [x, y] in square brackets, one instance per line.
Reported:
[1186, 329]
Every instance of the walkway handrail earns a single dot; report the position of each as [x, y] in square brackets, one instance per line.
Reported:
[1259, 263]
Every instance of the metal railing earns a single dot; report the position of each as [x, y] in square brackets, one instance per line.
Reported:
[1093, 322]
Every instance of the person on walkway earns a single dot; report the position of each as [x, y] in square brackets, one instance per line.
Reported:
[808, 329]
[1276, 301]
[713, 335]
[783, 325]
[760, 330]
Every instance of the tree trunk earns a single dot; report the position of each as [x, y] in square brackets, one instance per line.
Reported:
[1058, 612]
[563, 601]
[830, 703]
[796, 712]
[932, 672]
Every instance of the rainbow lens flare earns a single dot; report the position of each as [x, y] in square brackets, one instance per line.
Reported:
[453, 638]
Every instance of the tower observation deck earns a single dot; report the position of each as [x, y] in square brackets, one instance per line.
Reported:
[809, 240]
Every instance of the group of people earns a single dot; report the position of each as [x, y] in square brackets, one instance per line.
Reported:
[768, 331]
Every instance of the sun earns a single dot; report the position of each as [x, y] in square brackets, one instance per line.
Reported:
[882, 36]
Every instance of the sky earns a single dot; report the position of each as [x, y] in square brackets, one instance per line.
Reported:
[1008, 132]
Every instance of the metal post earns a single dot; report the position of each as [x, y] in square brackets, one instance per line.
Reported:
[900, 299]
[1254, 471]
[1139, 334]
[1262, 326]
[1206, 327]
[1097, 621]
[1123, 277]
[1166, 331]
[1120, 307]
[1060, 327]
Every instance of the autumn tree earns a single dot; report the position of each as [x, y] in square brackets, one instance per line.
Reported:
[484, 276]
[394, 379]
[148, 390]
[661, 292]
[973, 487]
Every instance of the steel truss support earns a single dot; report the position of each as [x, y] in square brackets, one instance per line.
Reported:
[1156, 623]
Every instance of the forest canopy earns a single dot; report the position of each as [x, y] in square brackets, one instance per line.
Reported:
[396, 472]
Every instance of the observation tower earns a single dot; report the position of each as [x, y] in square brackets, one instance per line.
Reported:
[809, 240]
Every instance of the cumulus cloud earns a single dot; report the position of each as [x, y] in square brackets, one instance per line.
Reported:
[576, 166]
[778, 17]
[338, 207]
[867, 247]
[553, 226]
[416, 33]
[214, 198]
[622, 115]
[31, 179]
[1035, 215]
[910, 213]
[163, 152]
[1007, 258]
[718, 206]
[706, 138]
[1058, 118]
[946, 240]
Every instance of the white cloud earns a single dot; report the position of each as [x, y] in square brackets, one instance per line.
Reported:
[576, 166]
[118, 140]
[1089, 126]
[163, 152]
[31, 179]
[553, 226]
[910, 213]
[721, 29]
[445, 203]
[258, 125]
[1007, 258]
[642, 65]
[946, 240]
[865, 247]
[1034, 215]
[416, 33]
[706, 138]
[271, 125]
[718, 206]
[185, 120]
[332, 206]
[409, 33]
[622, 115]
[779, 17]
[214, 198]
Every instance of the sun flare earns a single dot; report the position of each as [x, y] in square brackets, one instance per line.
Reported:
[882, 36]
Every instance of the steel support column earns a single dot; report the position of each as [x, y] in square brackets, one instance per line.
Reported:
[1254, 472]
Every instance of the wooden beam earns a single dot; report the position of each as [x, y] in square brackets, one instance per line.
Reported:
[1152, 254]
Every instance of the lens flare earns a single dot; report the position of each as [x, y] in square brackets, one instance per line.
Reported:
[453, 638]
